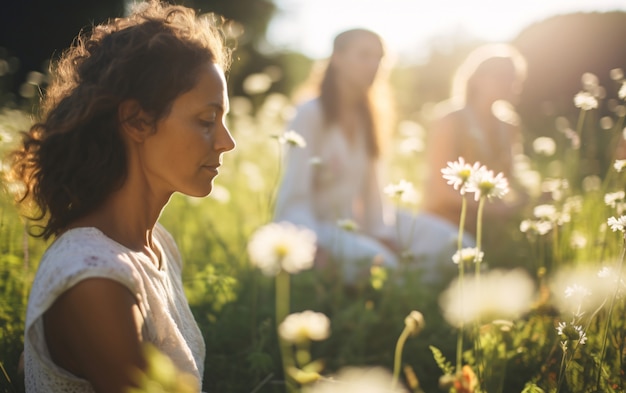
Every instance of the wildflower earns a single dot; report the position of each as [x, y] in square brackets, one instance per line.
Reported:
[546, 212]
[612, 198]
[283, 245]
[356, 380]
[466, 380]
[415, 322]
[467, 255]
[292, 138]
[484, 183]
[348, 225]
[257, 83]
[403, 191]
[617, 224]
[619, 165]
[622, 91]
[498, 294]
[305, 326]
[458, 173]
[539, 227]
[585, 101]
[578, 240]
[544, 145]
[571, 332]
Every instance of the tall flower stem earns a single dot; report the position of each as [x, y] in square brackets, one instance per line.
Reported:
[459, 245]
[610, 313]
[398, 356]
[282, 310]
[477, 264]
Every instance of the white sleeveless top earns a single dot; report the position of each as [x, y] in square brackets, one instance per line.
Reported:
[84, 253]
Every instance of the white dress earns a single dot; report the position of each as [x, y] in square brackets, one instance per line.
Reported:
[330, 180]
[84, 253]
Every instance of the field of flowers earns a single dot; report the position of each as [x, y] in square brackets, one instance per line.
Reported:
[546, 315]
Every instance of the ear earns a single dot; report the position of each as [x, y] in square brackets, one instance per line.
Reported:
[134, 122]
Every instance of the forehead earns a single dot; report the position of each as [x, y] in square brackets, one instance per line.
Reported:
[210, 88]
[363, 43]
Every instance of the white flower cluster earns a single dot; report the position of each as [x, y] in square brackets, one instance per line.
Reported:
[475, 178]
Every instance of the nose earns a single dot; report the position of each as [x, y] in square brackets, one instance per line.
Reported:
[224, 141]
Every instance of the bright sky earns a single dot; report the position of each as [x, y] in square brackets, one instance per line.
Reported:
[309, 26]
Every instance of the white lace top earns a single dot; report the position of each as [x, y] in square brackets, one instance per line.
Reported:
[83, 253]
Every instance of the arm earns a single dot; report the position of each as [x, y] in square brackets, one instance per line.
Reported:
[294, 201]
[94, 331]
[373, 209]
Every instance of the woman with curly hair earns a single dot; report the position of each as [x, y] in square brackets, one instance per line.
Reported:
[135, 113]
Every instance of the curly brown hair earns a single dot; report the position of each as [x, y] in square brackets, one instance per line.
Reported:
[74, 157]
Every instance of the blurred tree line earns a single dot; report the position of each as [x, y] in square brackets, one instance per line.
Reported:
[559, 51]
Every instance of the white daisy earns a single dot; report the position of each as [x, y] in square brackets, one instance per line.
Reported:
[458, 173]
[283, 245]
[484, 183]
[617, 224]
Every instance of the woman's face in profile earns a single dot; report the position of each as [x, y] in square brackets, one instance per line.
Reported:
[357, 64]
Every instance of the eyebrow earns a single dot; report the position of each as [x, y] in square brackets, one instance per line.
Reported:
[217, 105]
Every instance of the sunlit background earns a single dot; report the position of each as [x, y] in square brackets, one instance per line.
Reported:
[410, 26]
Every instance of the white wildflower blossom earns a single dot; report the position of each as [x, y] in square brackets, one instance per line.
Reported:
[305, 326]
[282, 246]
[544, 146]
[619, 165]
[585, 101]
[617, 224]
[611, 199]
[292, 138]
[571, 332]
[458, 173]
[578, 240]
[622, 91]
[577, 291]
[484, 183]
[403, 191]
[499, 294]
[467, 255]
[546, 212]
[539, 227]
[356, 380]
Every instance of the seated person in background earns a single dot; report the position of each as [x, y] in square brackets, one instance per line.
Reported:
[477, 125]
[335, 177]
